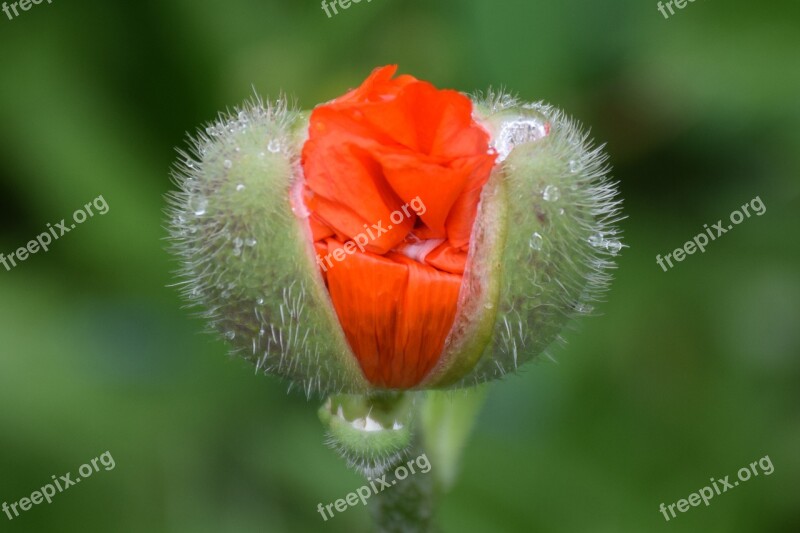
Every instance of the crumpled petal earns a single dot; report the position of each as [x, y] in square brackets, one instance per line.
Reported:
[397, 166]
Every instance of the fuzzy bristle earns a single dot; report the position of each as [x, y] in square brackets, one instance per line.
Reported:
[563, 238]
[242, 246]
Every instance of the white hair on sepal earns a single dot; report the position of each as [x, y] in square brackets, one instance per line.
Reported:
[561, 247]
[233, 228]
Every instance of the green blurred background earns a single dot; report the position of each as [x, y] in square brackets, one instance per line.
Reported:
[686, 375]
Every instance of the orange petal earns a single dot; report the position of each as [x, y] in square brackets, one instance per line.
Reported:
[395, 312]
[437, 186]
[371, 154]
[428, 311]
[462, 216]
[447, 258]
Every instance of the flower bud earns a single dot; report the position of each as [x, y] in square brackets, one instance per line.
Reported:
[370, 432]
[398, 237]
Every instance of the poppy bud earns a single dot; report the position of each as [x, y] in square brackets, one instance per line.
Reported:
[372, 432]
[399, 237]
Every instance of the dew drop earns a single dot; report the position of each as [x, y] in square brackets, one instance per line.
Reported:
[250, 242]
[242, 116]
[227, 163]
[200, 205]
[599, 240]
[260, 301]
[516, 132]
[582, 307]
[240, 187]
[596, 240]
[551, 193]
[230, 335]
[237, 247]
[536, 241]
[488, 305]
[211, 131]
[274, 146]
[575, 166]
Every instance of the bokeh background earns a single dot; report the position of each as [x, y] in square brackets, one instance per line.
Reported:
[686, 375]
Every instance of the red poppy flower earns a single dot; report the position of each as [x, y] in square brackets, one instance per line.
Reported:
[399, 164]
[399, 236]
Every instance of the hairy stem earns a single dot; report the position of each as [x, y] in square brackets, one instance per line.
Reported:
[408, 505]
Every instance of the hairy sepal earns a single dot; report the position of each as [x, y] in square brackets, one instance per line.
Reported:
[557, 236]
[246, 252]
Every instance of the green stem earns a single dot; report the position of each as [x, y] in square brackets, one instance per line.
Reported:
[445, 421]
[408, 505]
